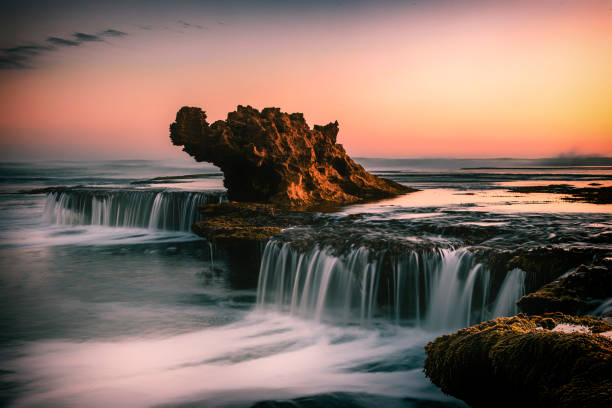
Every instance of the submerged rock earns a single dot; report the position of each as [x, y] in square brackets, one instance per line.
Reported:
[576, 293]
[275, 157]
[552, 360]
[598, 195]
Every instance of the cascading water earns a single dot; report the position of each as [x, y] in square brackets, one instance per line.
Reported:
[168, 210]
[438, 289]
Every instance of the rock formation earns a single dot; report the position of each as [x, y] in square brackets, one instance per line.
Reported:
[576, 293]
[545, 361]
[275, 157]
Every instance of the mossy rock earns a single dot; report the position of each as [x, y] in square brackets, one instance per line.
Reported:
[576, 293]
[522, 361]
[226, 222]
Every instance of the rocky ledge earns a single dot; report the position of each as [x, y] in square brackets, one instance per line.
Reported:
[552, 360]
[275, 157]
[594, 195]
[248, 222]
[579, 292]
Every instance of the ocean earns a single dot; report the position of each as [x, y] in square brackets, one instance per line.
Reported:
[108, 299]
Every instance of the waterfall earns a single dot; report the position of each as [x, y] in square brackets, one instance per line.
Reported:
[168, 210]
[506, 299]
[434, 289]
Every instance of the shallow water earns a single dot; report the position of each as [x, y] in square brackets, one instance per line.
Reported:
[141, 313]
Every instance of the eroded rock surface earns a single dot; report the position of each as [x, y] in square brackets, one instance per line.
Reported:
[576, 293]
[275, 157]
[552, 360]
[254, 222]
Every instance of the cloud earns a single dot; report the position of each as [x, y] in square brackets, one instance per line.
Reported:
[21, 56]
[191, 25]
[63, 42]
[13, 62]
[27, 50]
[82, 37]
[113, 33]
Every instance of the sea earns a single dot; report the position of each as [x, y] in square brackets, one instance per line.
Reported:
[107, 299]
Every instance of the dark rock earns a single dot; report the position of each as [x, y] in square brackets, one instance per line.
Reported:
[275, 157]
[228, 223]
[47, 190]
[176, 179]
[542, 264]
[522, 361]
[575, 293]
[601, 195]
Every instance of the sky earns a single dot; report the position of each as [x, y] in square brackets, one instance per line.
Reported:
[435, 78]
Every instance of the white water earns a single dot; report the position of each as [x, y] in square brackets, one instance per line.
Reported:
[441, 289]
[168, 210]
[264, 356]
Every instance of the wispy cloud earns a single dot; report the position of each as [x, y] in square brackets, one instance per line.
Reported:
[21, 56]
[82, 37]
[63, 42]
[113, 33]
[27, 49]
[191, 25]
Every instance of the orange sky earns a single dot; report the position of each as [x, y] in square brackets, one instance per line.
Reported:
[476, 79]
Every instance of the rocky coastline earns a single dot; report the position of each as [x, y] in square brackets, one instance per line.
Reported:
[282, 177]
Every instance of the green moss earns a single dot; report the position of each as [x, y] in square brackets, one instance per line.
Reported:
[518, 361]
[245, 221]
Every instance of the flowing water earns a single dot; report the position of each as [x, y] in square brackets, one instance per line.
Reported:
[108, 299]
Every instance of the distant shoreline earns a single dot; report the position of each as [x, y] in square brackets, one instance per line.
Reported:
[567, 167]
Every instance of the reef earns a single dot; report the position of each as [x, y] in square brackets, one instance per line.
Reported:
[276, 158]
[252, 222]
[575, 293]
[552, 360]
[595, 195]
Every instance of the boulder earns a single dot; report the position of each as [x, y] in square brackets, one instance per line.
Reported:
[275, 157]
[552, 360]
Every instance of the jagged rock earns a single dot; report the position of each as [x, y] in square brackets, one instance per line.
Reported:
[275, 157]
[576, 293]
[545, 361]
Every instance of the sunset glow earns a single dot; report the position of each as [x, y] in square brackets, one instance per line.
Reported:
[430, 79]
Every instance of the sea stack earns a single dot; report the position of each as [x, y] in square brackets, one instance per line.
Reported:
[275, 157]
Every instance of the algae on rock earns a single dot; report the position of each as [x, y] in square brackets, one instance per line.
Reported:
[522, 361]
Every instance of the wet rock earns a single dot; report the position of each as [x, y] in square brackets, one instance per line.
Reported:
[576, 293]
[542, 264]
[552, 360]
[275, 157]
[47, 190]
[177, 179]
[600, 195]
[226, 223]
